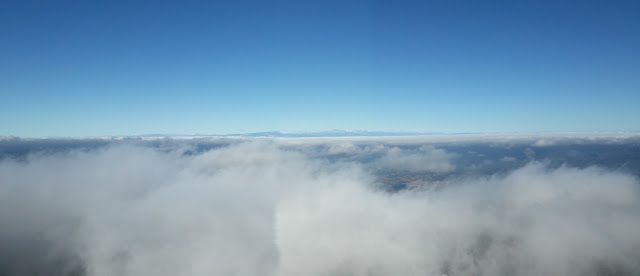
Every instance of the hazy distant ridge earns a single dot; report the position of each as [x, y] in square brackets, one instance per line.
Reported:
[333, 133]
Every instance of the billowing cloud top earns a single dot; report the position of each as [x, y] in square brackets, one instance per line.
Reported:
[377, 206]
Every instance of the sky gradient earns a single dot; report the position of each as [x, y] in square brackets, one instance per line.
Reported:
[94, 68]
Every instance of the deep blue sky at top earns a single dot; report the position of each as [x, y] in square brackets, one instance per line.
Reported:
[85, 68]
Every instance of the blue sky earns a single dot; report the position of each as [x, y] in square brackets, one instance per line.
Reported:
[92, 68]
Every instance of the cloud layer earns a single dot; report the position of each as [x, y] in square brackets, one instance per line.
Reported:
[267, 208]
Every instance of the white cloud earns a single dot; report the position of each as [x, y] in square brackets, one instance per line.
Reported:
[257, 209]
[508, 159]
[567, 221]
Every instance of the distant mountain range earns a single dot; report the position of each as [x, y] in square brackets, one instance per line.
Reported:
[278, 134]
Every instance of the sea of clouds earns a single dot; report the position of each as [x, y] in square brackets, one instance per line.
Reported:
[286, 207]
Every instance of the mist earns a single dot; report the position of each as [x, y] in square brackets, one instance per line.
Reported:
[296, 207]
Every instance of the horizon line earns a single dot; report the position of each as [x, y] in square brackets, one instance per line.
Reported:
[316, 134]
